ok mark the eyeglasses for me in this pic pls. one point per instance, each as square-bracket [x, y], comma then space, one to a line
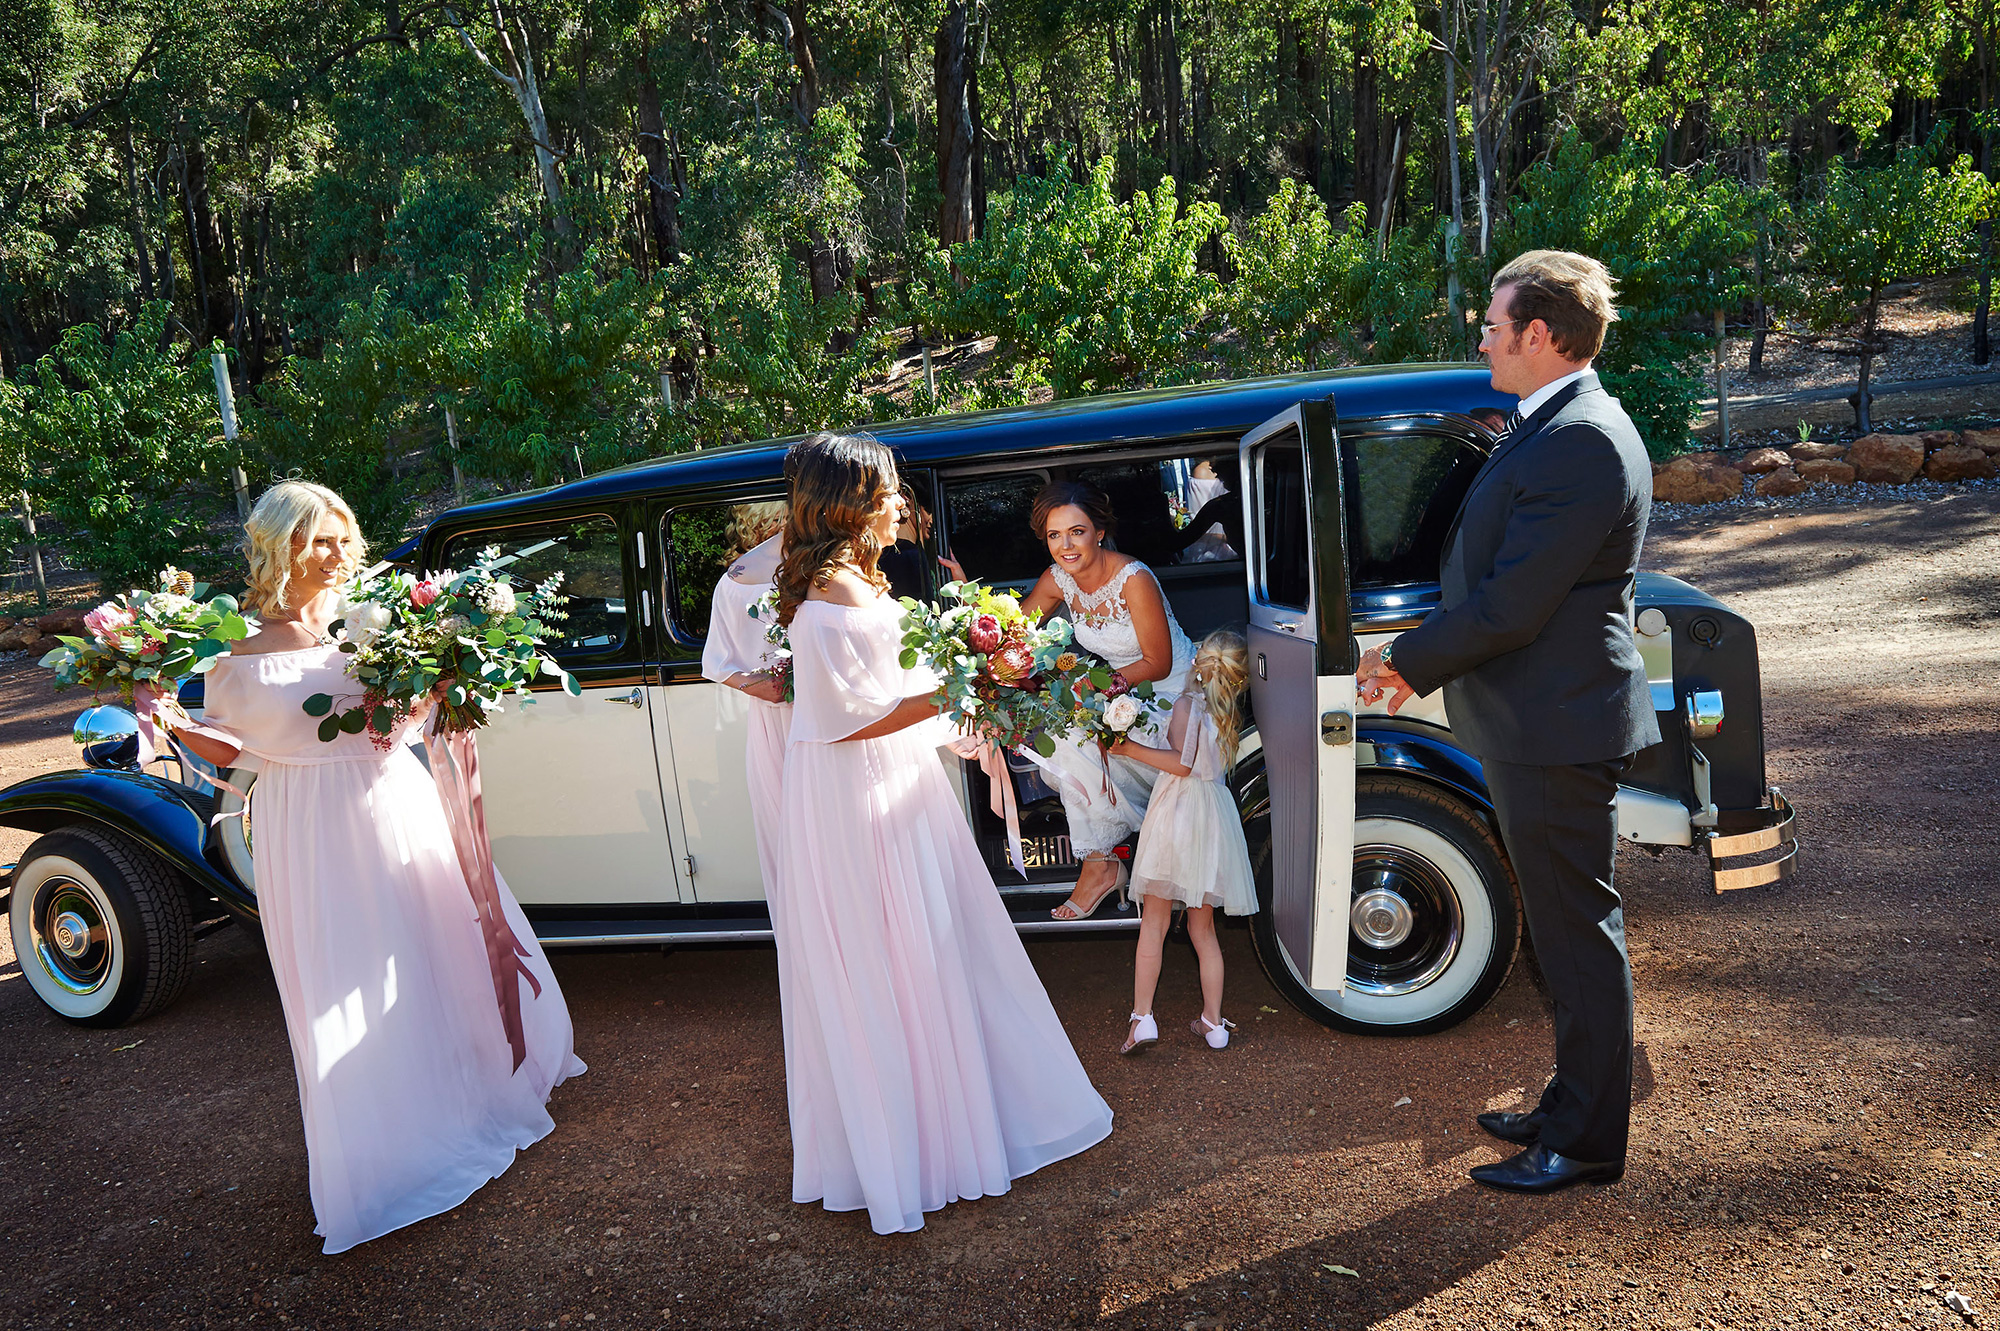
[1487, 330]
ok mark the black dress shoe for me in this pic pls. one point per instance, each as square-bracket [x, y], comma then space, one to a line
[1538, 1169]
[1520, 1129]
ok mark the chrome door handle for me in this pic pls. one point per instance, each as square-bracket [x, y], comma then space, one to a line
[636, 698]
[1286, 625]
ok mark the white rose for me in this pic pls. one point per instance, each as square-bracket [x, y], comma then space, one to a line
[366, 621]
[1121, 712]
[497, 599]
[167, 605]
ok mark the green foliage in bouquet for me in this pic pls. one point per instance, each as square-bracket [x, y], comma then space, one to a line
[466, 638]
[994, 663]
[158, 637]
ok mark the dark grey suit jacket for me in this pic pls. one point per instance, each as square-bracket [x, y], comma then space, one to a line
[1533, 642]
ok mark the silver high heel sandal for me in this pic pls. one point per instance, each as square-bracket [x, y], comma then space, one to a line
[1117, 885]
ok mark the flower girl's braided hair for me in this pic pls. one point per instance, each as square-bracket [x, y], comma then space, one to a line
[281, 524]
[837, 480]
[1222, 667]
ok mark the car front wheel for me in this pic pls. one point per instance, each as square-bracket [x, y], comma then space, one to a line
[1434, 925]
[101, 927]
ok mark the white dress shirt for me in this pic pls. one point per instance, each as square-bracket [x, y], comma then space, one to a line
[1533, 401]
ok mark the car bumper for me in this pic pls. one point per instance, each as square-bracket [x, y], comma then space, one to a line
[1774, 829]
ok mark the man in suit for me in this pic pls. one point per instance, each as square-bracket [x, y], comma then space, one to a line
[1543, 683]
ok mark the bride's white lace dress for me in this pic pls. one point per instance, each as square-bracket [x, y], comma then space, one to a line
[1079, 771]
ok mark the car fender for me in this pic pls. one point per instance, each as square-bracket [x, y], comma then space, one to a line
[169, 820]
[1416, 749]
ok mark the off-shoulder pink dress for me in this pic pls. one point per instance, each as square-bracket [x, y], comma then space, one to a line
[737, 645]
[931, 1065]
[406, 1079]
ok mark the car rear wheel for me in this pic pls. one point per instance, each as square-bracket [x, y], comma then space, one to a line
[1434, 924]
[101, 927]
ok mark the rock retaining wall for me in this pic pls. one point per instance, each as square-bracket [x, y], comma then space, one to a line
[1892, 459]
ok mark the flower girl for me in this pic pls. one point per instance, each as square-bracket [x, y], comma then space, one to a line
[1191, 847]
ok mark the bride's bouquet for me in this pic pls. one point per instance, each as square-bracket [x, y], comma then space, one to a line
[143, 644]
[467, 638]
[1107, 713]
[993, 661]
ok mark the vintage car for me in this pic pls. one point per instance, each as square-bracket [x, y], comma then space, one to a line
[620, 817]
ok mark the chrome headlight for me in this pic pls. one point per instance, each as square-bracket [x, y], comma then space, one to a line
[104, 725]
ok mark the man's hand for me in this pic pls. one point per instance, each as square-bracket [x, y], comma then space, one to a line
[1373, 681]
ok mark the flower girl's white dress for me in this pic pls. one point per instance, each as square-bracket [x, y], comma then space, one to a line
[930, 1065]
[1191, 848]
[406, 1081]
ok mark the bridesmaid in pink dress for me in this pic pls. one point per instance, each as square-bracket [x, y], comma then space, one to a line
[406, 1080]
[930, 1065]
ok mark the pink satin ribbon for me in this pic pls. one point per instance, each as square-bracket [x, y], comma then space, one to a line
[1000, 798]
[160, 714]
[455, 766]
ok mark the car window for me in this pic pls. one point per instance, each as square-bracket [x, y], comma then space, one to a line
[1197, 486]
[591, 558]
[1403, 492]
[704, 541]
[1285, 577]
[990, 534]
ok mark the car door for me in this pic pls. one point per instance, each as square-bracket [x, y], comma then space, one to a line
[572, 791]
[1302, 680]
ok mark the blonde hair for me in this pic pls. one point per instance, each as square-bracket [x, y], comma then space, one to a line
[750, 525]
[1222, 668]
[1571, 293]
[285, 518]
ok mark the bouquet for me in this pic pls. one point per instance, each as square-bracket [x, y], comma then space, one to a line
[466, 638]
[992, 661]
[765, 612]
[1108, 714]
[143, 644]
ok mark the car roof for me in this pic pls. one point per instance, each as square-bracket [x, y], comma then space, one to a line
[1230, 407]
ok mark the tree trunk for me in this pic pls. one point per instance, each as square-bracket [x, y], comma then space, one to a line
[1367, 133]
[662, 198]
[956, 145]
[136, 217]
[1982, 344]
[1862, 419]
[518, 78]
[1174, 97]
[1305, 145]
[211, 268]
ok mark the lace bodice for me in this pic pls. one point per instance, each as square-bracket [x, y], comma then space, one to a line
[1104, 624]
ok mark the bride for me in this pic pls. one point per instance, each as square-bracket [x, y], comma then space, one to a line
[1121, 615]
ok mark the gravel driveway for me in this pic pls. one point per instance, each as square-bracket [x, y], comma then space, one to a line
[1816, 1135]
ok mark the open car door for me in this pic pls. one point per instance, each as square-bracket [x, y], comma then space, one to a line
[1302, 681]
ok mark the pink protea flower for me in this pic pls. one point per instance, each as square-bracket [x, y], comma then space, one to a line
[104, 622]
[1011, 664]
[985, 634]
[423, 593]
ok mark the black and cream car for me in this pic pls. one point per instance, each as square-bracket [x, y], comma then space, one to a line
[620, 817]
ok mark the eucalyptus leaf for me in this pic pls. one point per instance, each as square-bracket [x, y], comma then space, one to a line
[317, 705]
[329, 730]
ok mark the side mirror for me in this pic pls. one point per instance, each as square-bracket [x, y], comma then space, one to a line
[109, 736]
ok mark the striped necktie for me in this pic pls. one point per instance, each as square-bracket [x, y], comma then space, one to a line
[1513, 423]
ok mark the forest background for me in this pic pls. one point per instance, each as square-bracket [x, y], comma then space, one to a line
[449, 248]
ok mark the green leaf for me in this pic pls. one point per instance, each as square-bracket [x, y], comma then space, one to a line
[1045, 746]
[909, 660]
[571, 687]
[383, 718]
[353, 721]
[329, 730]
[317, 705]
[455, 695]
[1342, 1270]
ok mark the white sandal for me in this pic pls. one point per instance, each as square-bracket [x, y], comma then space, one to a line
[1144, 1031]
[1217, 1035]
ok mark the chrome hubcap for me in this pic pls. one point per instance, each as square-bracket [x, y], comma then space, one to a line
[72, 941]
[1381, 918]
[70, 934]
[1406, 918]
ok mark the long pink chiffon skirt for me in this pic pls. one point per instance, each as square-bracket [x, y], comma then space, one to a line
[406, 1080]
[926, 1063]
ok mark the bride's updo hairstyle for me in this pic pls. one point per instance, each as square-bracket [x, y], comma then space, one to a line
[279, 528]
[1096, 506]
[837, 482]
